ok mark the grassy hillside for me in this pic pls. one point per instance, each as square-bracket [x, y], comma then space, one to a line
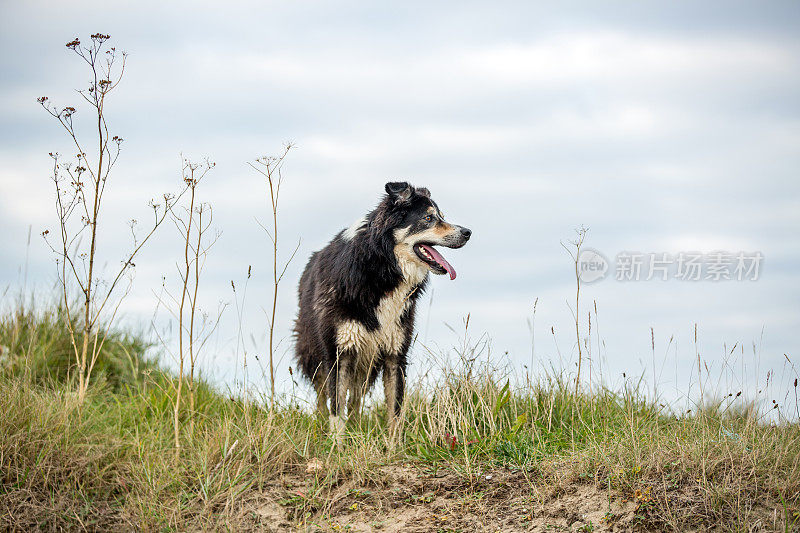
[479, 452]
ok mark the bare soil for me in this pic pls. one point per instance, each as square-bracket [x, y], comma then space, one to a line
[405, 498]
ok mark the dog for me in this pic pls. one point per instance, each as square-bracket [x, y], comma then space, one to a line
[357, 300]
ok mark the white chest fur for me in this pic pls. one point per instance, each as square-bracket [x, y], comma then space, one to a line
[389, 337]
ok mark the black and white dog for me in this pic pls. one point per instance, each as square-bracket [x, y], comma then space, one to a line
[358, 297]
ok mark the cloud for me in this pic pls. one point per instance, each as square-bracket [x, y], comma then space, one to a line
[663, 128]
[614, 58]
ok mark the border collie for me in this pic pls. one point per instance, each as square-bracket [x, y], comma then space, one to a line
[358, 297]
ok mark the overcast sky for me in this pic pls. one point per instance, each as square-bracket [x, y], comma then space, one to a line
[664, 127]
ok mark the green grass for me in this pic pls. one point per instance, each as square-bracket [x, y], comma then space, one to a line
[37, 343]
[112, 464]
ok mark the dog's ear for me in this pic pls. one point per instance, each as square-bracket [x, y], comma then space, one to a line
[422, 191]
[399, 191]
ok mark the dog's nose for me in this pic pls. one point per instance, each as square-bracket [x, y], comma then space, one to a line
[466, 233]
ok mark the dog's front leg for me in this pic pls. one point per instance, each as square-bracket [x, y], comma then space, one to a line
[337, 390]
[394, 389]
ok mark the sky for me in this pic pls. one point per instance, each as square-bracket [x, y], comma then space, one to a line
[662, 127]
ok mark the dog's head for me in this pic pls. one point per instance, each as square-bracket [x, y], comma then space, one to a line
[418, 226]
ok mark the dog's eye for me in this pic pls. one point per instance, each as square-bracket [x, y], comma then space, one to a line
[428, 218]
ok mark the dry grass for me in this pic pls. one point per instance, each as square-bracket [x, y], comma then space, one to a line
[478, 451]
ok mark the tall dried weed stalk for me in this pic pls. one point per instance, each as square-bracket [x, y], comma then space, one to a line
[574, 251]
[193, 225]
[271, 167]
[80, 186]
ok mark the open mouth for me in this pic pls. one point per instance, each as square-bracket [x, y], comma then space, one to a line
[434, 260]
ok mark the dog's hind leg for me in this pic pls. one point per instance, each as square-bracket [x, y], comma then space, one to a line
[320, 384]
[363, 380]
[359, 386]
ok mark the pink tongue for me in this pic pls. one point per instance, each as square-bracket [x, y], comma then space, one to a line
[441, 260]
